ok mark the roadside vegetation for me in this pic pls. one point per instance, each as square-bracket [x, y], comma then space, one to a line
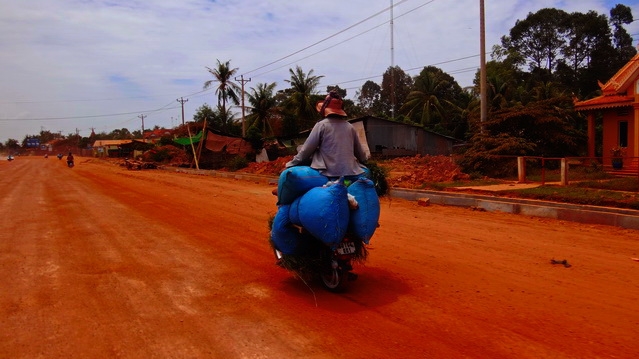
[589, 185]
[545, 62]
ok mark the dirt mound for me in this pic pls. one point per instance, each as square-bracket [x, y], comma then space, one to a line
[271, 168]
[405, 172]
[413, 172]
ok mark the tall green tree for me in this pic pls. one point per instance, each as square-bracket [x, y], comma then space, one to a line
[121, 134]
[396, 85]
[263, 102]
[12, 144]
[205, 112]
[573, 50]
[369, 98]
[226, 118]
[547, 128]
[433, 100]
[586, 56]
[622, 41]
[301, 100]
[539, 39]
[226, 89]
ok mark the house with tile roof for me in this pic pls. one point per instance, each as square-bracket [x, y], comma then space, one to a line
[618, 109]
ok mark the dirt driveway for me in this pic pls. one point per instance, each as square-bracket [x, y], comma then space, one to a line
[101, 262]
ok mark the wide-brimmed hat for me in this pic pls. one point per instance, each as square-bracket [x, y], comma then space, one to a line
[332, 105]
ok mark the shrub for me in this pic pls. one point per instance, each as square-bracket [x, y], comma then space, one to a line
[237, 163]
[379, 176]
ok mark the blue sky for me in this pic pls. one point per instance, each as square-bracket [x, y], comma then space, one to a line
[74, 65]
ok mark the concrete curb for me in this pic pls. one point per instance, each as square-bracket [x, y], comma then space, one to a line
[624, 218]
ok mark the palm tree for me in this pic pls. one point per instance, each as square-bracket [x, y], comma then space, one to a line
[262, 100]
[300, 101]
[426, 102]
[226, 89]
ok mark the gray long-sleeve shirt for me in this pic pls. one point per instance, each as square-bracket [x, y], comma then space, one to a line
[334, 149]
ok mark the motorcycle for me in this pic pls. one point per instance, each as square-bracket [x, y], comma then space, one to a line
[70, 163]
[314, 260]
[321, 228]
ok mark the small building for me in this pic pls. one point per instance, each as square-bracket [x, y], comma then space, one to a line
[386, 138]
[119, 148]
[618, 108]
[108, 148]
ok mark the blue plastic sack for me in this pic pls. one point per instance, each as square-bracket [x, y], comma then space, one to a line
[323, 212]
[364, 220]
[295, 181]
[285, 237]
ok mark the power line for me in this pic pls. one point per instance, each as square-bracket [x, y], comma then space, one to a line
[339, 43]
[421, 67]
[324, 39]
[166, 107]
[81, 117]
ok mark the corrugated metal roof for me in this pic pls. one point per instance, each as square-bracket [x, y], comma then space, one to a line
[104, 143]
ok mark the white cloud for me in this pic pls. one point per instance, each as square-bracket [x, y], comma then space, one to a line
[73, 58]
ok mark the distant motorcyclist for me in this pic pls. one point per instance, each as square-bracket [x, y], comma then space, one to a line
[70, 160]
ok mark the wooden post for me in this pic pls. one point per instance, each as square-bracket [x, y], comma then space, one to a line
[521, 169]
[197, 165]
[564, 172]
[591, 134]
[202, 139]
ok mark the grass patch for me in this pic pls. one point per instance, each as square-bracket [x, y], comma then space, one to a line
[627, 184]
[593, 171]
[579, 195]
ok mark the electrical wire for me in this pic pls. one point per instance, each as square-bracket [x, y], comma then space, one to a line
[324, 39]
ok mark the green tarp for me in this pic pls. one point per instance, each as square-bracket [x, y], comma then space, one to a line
[185, 141]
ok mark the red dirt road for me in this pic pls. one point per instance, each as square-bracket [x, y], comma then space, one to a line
[101, 262]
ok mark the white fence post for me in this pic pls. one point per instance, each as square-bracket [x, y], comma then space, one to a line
[564, 172]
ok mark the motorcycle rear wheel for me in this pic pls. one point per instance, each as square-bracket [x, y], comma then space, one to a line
[334, 278]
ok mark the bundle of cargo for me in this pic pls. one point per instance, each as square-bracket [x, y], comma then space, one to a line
[327, 210]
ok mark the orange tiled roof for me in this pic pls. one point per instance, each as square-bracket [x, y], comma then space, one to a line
[601, 102]
[624, 78]
[615, 91]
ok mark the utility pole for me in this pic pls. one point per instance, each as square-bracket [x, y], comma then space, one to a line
[482, 69]
[181, 100]
[142, 117]
[392, 48]
[243, 81]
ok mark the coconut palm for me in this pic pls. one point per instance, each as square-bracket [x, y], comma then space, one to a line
[300, 101]
[262, 101]
[226, 88]
[433, 97]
